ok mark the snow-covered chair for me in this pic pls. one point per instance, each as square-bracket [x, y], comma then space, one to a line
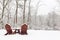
[8, 29]
[24, 29]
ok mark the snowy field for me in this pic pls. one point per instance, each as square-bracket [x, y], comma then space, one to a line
[32, 35]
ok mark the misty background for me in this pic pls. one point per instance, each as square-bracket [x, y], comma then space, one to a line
[38, 14]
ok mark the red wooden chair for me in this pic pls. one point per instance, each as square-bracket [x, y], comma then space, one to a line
[8, 29]
[24, 29]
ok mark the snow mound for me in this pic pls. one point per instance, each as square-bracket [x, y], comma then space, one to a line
[32, 35]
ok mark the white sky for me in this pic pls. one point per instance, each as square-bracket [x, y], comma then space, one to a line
[47, 6]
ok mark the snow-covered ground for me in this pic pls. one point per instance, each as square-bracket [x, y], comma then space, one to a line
[32, 35]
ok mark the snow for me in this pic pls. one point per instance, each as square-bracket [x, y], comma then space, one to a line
[32, 35]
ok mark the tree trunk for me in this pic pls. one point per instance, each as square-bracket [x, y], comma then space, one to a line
[16, 10]
[29, 14]
[24, 12]
[3, 12]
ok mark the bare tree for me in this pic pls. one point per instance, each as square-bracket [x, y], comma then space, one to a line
[37, 6]
[29, 14]
[16, 9]
[24, 11]
[51, 20]
[5, 3]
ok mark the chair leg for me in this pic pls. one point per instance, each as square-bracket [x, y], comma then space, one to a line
[6, 33]
[19, 31]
